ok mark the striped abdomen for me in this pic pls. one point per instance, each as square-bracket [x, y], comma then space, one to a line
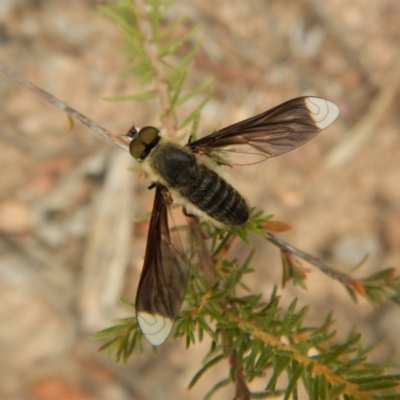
[177, 168]
[215, 197]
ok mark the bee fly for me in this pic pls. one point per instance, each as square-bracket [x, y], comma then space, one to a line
[186, 173]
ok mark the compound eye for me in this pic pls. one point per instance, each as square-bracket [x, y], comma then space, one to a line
[136, 148]
[144, 142]
[148, 134]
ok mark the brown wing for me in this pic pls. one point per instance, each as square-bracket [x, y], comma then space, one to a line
[274, 132]
[164, 278]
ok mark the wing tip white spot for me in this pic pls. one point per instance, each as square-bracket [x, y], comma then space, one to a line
[155, 327]
[323, 111]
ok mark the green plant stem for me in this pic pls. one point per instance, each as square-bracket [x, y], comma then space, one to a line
[167, 118]
[317, 367]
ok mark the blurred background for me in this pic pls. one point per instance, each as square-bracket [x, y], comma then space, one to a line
[69, 247]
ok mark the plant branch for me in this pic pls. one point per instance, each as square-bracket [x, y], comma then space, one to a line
[242, 392]
[116, 139]
[326, 269]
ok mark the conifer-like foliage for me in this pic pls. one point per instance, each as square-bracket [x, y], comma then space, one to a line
[254, 337]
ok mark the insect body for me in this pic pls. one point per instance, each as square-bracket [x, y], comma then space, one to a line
[186, 172]
[194, 184]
